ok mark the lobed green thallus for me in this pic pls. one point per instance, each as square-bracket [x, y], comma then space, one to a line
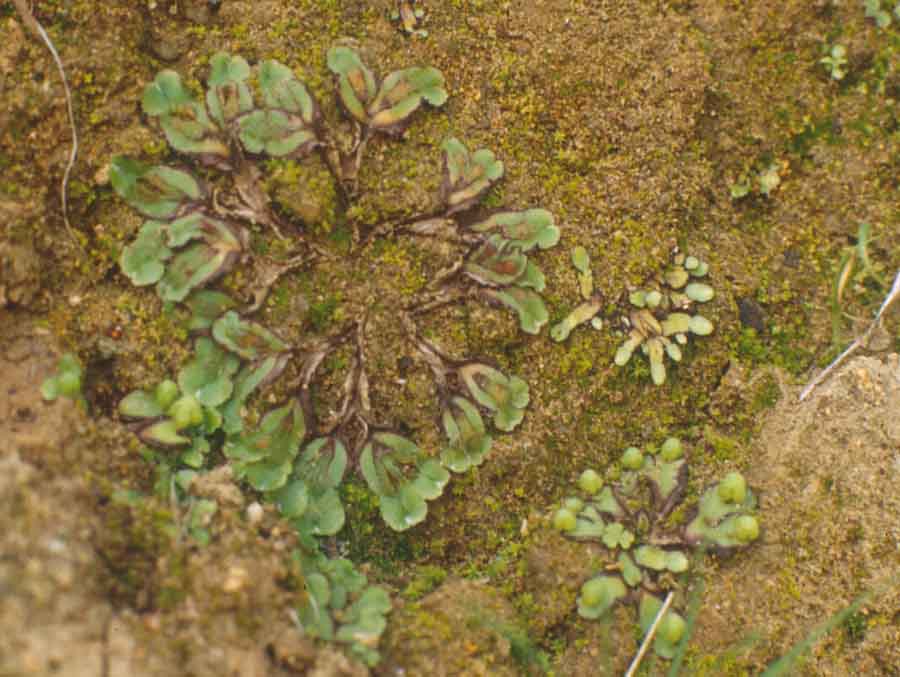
[196, 230]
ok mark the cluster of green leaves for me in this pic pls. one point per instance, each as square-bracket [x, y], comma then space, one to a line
[763, 178]
[589, 309]
[663, 316]
[856, 270]
[880, 15]
[341, 606]
[181, 247]
[836, 62]
[283, 126]
[724, 518]
[409, 16]
[403, 477]
[184, 244]
[629, 514]
[499, 264]
[394, 468]
[660, 318]
[232, 358]
[190, 238]
[386, 107]
[505, 396]
[302, 485]
[467, 440]
[66, 382]
[300, 476]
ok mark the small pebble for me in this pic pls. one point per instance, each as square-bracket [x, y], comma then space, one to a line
[254, 513]
[235, 580]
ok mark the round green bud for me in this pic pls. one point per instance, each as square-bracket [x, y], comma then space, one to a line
[733, 488]
[564, 520]
[574, 504]
[677, 562]
[590, 482]
[166, 393]
[746, 528]
[68, 383]
[632, 459]
[186, 411]
[593, 592]
[671, 628]
[638, 298]
[671, 449]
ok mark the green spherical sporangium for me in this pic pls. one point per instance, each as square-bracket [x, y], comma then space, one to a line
[590, 482]
[671, 449]
[733, 488]
[632, 458]
[746, 528]
[564, 520]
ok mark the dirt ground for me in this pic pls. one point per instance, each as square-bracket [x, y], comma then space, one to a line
[824, 472]
[638, 124]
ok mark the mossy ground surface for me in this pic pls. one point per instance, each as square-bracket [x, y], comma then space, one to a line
[631, 122]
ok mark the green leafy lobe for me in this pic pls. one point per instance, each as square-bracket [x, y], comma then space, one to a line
[467, 176]
[265, 458]
[506, 396]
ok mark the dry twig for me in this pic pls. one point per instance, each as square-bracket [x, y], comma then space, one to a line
[35, 27]
[651, 633]
[861, 340]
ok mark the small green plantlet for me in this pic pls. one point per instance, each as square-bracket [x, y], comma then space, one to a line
[66, 382]
[409, 16]
[506, 396]
[265, 457]
[589, 309]
[881, 16]
[630, 516]
[403, 478]
[661, 318]
[732, 488]
[671, 449]
[599, 595]
[467, 176]
[168, 418]
[770, 178]
[199, 517]
[467, 440]
[759, 178]
[341, 606]
[632, 459]
[724, 520]
[740, 188]
[835, 62]
[564, 520]
[386, 108]
[855, 270]
[582, 263]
